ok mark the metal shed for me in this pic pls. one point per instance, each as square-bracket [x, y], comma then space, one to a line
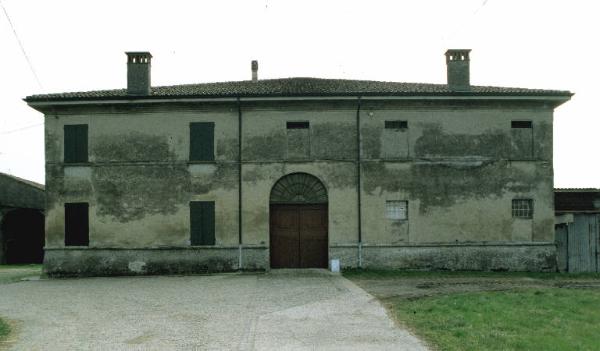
[577, 229]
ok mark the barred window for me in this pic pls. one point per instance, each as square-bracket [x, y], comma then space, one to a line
[522, 208]
[396, 210]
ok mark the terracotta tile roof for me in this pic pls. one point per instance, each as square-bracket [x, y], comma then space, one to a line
[289, 87]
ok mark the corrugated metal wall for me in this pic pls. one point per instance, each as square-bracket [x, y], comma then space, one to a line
[577, 244]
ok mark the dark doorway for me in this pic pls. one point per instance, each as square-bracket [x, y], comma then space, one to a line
[298, 223]
[23, 236]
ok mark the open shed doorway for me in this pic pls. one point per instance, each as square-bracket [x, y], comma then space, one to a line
[22, 235]
[298, 222]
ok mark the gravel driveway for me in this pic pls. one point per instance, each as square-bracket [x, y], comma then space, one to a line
[281, 310]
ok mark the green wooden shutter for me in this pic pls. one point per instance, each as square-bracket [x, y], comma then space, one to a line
[76, 143]
[77, 229]
[202, 223]
[202, 140]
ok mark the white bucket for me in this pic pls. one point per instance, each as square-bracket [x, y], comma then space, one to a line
[335, 266]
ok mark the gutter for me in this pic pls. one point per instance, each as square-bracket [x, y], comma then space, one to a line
[556, 99]
[240, 242]
[358, 183]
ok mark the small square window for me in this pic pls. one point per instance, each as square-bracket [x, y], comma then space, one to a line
[396, 124]
[396, 210]
[521, 124]
[297, 125]
[522, 208]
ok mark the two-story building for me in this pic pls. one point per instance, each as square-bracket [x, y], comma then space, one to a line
[296, 172]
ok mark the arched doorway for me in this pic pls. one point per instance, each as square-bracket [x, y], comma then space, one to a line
[298, 222]
[23, 236]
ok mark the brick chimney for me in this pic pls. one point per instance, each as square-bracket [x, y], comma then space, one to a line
[457, 62]
[254, 70]
[138, 73]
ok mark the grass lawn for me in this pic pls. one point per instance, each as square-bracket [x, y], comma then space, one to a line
[14, 273]
[517, 311]
[530, 319]
[4, 331]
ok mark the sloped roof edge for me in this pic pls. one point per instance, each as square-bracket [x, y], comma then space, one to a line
[24, 181]
[297, 87]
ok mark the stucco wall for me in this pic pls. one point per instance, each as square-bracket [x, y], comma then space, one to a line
[139, 181]
[459, 172]
[458, 165]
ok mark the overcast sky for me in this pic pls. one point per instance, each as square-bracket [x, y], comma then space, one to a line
[80, 45]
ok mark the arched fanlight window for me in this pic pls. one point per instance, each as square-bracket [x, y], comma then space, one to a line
[298, 188]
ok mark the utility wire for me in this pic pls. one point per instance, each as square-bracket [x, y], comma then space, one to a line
[37, 79]
[22, 128]
[21, 46]
[460, 26]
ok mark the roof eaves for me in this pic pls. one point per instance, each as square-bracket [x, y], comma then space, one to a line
[24, 181]
[576, 190]
[543, 96]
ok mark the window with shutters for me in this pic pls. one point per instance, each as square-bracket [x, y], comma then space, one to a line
[76, 143]
[202, 223]
[202, 141]
[77, 224]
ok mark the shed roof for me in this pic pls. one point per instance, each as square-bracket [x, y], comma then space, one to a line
[577, 200]
[18, 192]
[296, 87]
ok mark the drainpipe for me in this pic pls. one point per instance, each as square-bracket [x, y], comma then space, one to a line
[567, 244]
[358, 184]
[239, 183]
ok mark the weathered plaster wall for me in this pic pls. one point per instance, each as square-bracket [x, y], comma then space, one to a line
[332, 131]
[139, 181]
[458, 166]
[498, 257]
[459, 172]
[332, 145]
[258, 179]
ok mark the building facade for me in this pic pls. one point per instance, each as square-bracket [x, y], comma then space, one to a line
[295, 172]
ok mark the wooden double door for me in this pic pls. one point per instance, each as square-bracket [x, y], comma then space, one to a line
[298, 236]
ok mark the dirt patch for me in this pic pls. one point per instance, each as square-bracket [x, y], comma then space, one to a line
[412, 288]
[12, 337]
